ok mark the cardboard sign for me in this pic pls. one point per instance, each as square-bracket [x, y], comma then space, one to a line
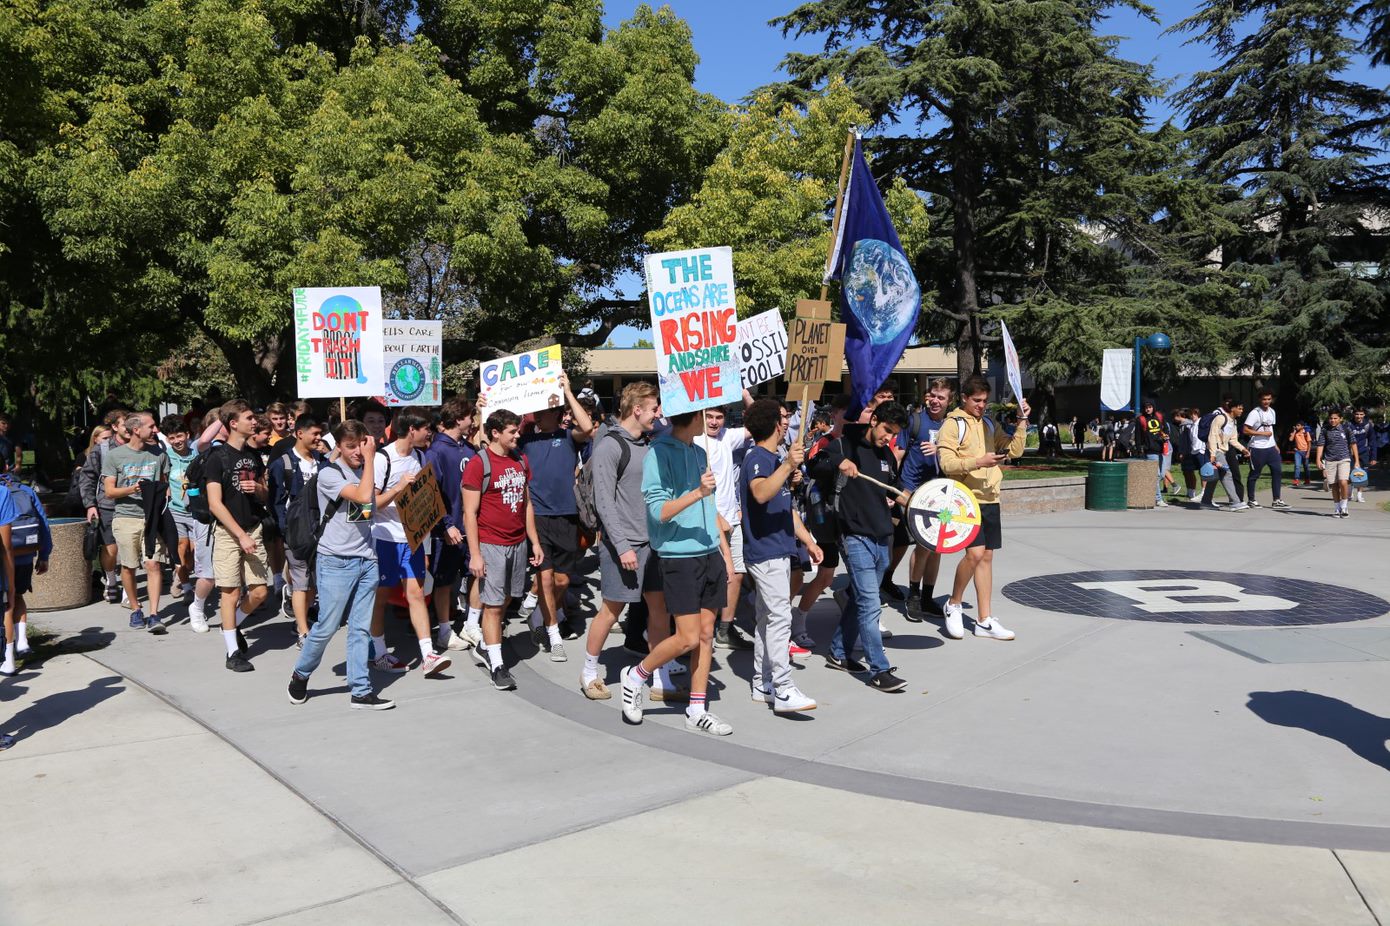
[1011, 363]
[414, 362]
[762, 348]
[816, 352]
[694, 328]
[421, 507]
[338, 342]
[523, 383]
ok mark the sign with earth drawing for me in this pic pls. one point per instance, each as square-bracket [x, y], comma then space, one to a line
[414, 358]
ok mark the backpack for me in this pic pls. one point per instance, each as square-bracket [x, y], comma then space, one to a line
[1204, 424]
[24, 530]
[584, 483]
[303, 522]
[989, 432]
[195, 486]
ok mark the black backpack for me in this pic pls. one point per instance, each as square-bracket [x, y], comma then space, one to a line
[195, 484]
[584, 483]
[304, 523]
[1204, 424]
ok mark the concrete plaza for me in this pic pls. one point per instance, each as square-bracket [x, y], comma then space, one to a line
[1138, 755]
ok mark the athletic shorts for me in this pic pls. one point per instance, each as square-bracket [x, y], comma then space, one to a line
[395, 563]
[1191, 463]
[559, 537]
[623, 585]
[901, 538]
[504, 573]
[447, 563]
[1336, 470]
[991, 535]
[694, 583]
[736, 548]
[299, 572]
[24, 578]
[232, 568]
[104, 518]
[185, 524]
[202, 552]
[130, 543]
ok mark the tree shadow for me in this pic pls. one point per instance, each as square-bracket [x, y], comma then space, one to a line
[1360, 731]
[51, 710]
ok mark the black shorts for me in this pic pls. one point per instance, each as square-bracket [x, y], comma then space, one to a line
[694, 583]
[991, 535]
[448, 562]
[559, 537]
[827, 537]
[901, 538]
[23, 582]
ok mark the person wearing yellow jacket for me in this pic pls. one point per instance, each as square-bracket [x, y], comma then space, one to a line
[970, 448]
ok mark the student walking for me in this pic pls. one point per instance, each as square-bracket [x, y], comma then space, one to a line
[1214, 433]
[28, 543]
[1336, 455]
[1264, 450]
[1302, 442]
[127, 471]
[917, 445]
[290, 472]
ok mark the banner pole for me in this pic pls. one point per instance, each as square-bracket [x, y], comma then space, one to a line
[342, 409]
[839, 201]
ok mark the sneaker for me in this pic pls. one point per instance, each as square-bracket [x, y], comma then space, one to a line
[9, 670]
[891, 592]
[137, 619]
[287, 606]
[539, 638]
[930, 607]
[796, 651]
[1360, 496]
[1241, 506]
[633, 691]
[1297, 483]
[848, 664]
[455, 642]
[955, 621]
[913, 604]
[197, 620]
[155, 626]
[299, 640]
[571, 629]
[596, 690]
[125, 599]
[1211, 506]
[728, 636]
[707, 723]
[389, 663]
[1253, 504]
[557, 653]
[434, 663]
[23, 654]
[792, 701]
[887, 681]
[113, 594]
[804, 641]
[239, 663]
[528, 605]
[242, 646]
[502, 679]
[299, 689]
[1279, 503]
[992, 629]
[761, 695]
[884, 632]
[371, 702]
[472, 636]
[658, 692]
[6, 741]
[1160, 503]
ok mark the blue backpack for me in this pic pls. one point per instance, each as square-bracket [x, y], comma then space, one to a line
[24, 530]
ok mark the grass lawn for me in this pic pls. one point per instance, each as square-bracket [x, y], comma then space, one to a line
[1034, 467]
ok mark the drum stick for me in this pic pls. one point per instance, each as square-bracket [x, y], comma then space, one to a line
[897, 492]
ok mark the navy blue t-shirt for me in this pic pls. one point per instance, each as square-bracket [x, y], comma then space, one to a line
[767, 529]
[917, 467]
[553, 458]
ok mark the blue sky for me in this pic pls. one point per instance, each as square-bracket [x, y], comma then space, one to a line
[739, 52]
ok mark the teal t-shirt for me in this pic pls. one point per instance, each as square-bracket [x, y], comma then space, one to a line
[178, 492]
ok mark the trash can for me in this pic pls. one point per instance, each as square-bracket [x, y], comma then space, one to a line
[1107, 486]
[1143, 477]
[68, 581]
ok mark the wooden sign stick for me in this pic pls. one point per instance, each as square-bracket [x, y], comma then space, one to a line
[897, 492]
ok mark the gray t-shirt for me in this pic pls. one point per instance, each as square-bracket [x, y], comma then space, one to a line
[130, 467]
[349, 532]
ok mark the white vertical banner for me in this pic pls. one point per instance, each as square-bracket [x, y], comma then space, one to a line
[1116, 378]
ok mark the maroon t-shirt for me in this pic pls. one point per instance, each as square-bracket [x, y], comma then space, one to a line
[502, 510]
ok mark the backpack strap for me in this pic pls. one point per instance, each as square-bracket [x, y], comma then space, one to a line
[487, 470]
[624, 458]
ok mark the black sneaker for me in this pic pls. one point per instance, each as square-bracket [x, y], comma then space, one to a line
[912, 606]
[287, 606]
[239, 663]
[930, 607]
[540, 638]
[299, 689]
[891, 592]
[571, 629]
[242, 647]
[848, 664]
[728, 636]
[502, 679]
[887, 681]
[371, 703]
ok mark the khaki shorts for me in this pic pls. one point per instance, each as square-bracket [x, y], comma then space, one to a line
[231, 568]
[130, 543]
[1333, 471]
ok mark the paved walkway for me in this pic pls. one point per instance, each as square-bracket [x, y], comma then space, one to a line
[1100, 769]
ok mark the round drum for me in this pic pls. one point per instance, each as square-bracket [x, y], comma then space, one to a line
[942, 515]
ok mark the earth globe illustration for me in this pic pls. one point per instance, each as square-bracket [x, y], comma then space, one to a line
[881, 289]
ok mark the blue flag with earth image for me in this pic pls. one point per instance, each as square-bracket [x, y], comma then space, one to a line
[879, 295]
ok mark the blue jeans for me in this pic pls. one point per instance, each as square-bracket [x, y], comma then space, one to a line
[1163, 462]
[866, 560]
[345, 584]
[1301, 471]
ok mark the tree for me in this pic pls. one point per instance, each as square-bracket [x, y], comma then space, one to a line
[1296, 145]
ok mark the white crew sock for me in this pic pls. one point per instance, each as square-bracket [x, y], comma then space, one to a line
[229, 637]
[426, 647]
[200, 604]
[494, 654]
[553, 632]
[23, 629]
[590, 669]
[379, 646]
[475, 615]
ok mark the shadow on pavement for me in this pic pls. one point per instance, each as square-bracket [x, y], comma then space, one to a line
[1360, 731]
[51, 710]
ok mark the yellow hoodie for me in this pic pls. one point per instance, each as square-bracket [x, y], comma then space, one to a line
[957, 455]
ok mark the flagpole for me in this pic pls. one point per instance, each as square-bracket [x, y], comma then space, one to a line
[839, 201]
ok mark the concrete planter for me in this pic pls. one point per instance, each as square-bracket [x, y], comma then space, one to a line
[68, 582]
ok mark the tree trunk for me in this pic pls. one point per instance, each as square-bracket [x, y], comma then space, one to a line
[963, 235]
[1287, 401]
[255, 366]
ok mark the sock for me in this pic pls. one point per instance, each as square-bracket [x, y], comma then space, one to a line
[553, 632]
[426, 647]
[379, 646]
[590, 669]
[475, 615]
[200, 604]
[643, 676]
[494, 654]
[23, 628]
[229, 637]
[442, 634]
[112, 578]
[697, 705]
[9, 665]
[241, 616]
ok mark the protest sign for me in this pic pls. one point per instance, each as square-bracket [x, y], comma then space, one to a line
[694, 327]
[414, 362]
[1011, 363]
[338, 342]
[816, 351]
[523, 383]
[420, 506]
[762, 347]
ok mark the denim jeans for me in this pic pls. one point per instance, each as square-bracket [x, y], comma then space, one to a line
[866, 560]
[1163, 462]
[346, 584]
[1301, 470]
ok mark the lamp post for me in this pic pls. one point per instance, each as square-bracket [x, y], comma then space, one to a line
[1155, 341]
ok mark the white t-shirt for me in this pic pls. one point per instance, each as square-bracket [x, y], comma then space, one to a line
[1261, 419]
[386, 525]
[719, 452]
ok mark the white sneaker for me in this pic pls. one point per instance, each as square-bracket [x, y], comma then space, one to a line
[434, 663]
[472, 636]
[791, 701]
[1242, 506]
[955, 621]
[633, 692]
[197, 620]
[456, 642]
[387, 662]
[707, 723]
[557, 653]
[528, 605]
[761, 695]
[1160, 503]
[884, 632]
[992, 629]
